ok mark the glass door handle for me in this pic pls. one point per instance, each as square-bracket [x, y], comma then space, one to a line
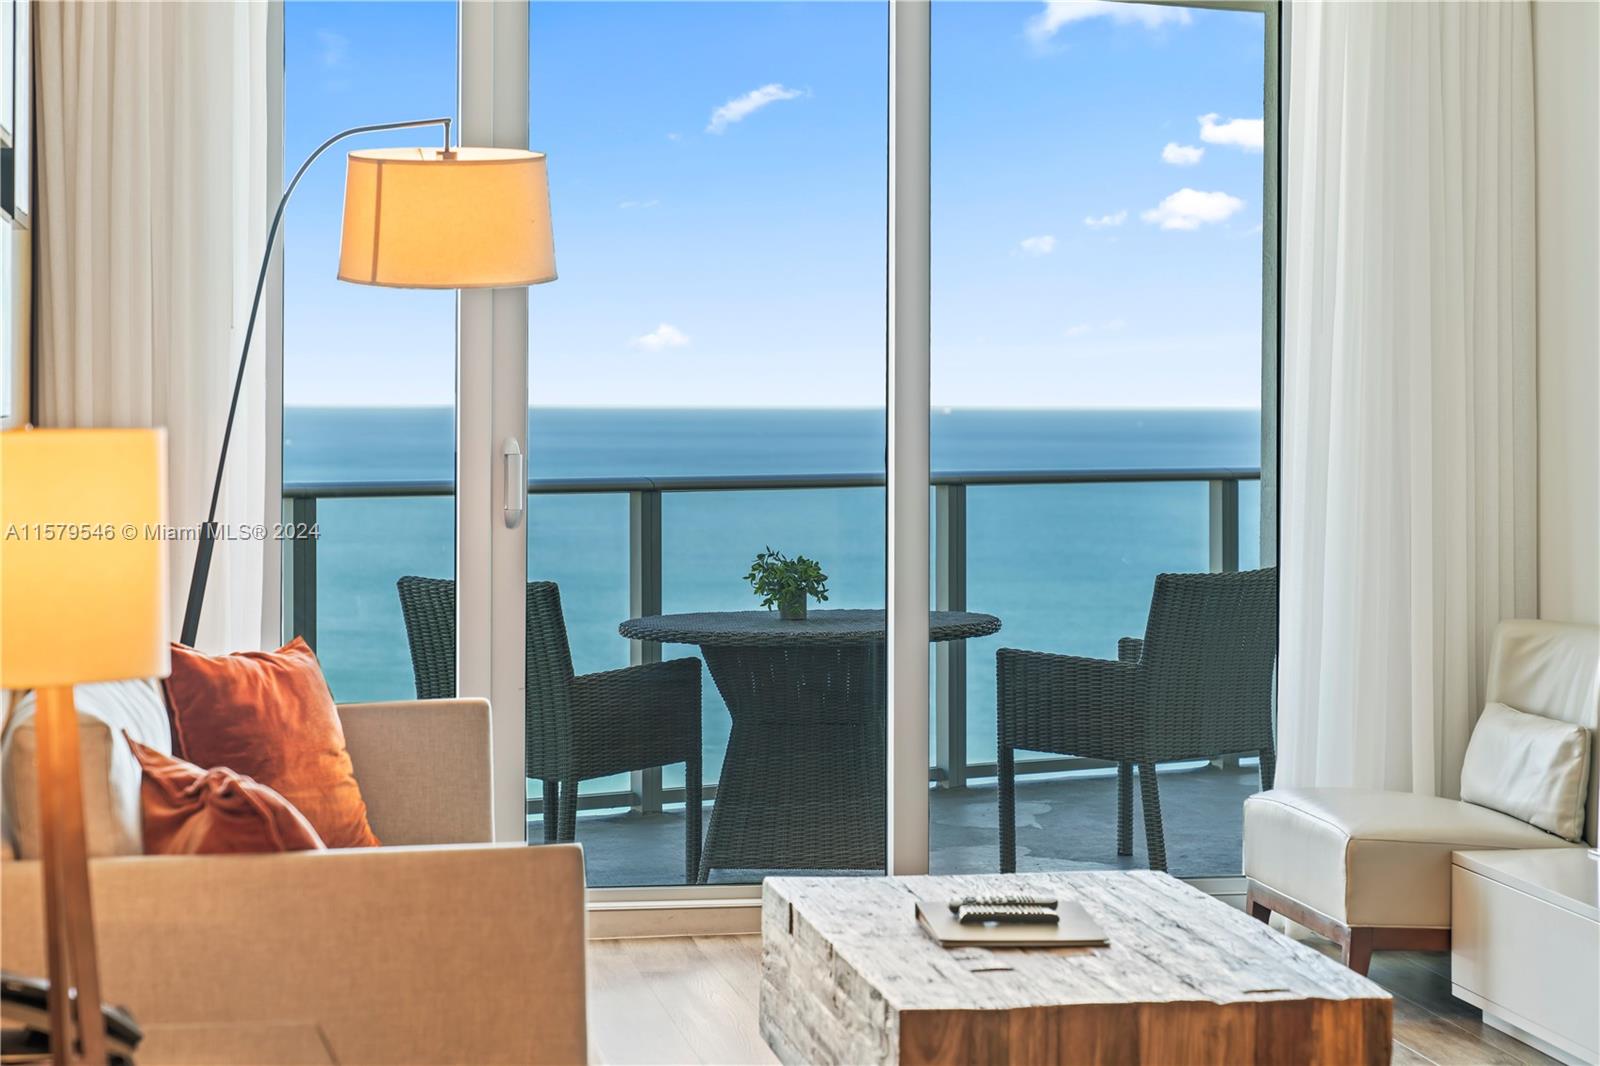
[516, 483]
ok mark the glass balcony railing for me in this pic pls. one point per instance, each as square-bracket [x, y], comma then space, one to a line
[630, 544]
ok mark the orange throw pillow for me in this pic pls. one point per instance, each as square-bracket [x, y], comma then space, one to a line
[190, 811]
[269, 715]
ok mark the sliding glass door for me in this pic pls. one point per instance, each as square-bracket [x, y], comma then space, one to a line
[705, 383]
[971, 306]
[1098, 379]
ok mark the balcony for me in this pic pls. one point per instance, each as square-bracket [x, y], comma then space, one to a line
[632, 826]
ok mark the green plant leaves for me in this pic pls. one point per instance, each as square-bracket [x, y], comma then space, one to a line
[776, 578]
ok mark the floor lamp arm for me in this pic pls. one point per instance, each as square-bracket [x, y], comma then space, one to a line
[208, 532]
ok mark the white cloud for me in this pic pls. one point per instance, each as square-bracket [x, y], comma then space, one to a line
[1083, 329]
[1181, 155]
[1190, 209]
[741, 107]
[663, 336]
[1043, 244]
[1116, 218]
[1246, 133]
[332, 48]
[629, 205]
[1059, 13]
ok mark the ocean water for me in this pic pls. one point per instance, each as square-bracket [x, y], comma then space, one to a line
[1066, 568]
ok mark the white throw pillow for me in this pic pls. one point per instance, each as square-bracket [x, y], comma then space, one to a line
[111, 774]
[1530, 767]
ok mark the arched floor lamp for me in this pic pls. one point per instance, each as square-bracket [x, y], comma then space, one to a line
[414, 218]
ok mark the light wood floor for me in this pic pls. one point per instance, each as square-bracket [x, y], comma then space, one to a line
[693, 1000]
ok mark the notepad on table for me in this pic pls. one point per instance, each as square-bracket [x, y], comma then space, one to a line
[1073, 929]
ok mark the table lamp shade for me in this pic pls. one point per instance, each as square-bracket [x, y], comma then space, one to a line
[83, 567]
[422, 219]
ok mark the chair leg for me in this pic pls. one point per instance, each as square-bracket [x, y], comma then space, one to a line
[1155, 843]
[1124, 808]
[1269, 768]
[552, 811]
[1008, 809]
[1356, 951]
[567, 831]
[691, 819]
[1258, 910]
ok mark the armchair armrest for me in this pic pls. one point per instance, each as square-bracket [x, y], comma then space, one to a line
[451, 954]
[672, 686]
[1066, 703]
[423, 768]
[636, 717]
[1130, 649]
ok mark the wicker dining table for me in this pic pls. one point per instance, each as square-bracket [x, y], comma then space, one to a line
[803, 781]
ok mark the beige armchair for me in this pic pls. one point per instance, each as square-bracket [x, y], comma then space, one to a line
[438, 947]
[1372, 870]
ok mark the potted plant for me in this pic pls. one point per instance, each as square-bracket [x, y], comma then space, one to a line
[786, 583]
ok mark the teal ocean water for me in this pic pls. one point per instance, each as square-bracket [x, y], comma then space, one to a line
[1066, 568]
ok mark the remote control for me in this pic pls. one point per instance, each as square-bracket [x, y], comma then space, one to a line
[1003, 899]
[1008, 914]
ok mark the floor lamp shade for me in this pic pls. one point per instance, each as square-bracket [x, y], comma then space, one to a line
[423, 218]
[83, 565]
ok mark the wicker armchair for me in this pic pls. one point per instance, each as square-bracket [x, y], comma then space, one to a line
[1197, 686]
[578, 727]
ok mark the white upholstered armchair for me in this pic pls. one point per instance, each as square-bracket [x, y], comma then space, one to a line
[1372, 869]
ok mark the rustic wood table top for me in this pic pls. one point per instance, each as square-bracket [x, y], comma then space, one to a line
[1195, 968]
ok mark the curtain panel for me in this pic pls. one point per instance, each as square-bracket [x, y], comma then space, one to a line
[155, 190]
[1408, 444]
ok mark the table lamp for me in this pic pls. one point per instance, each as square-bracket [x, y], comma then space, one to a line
[414, 218]
[83, 598]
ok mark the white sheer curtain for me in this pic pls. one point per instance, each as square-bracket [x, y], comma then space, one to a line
[1408, 446]
[155, 189]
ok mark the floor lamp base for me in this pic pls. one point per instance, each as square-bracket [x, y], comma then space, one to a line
[68, 911]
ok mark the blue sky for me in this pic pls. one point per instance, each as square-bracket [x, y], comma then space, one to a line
[718, 184]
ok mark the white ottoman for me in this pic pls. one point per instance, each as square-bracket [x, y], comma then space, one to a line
[1525, 946]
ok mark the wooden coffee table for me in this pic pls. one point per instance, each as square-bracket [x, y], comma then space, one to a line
[229, 1043]
[848, 976]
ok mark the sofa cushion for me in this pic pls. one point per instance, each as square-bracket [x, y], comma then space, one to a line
[1370, 858]
[1530, 767]
[186, 810]
[111, 775]
[270, 716]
